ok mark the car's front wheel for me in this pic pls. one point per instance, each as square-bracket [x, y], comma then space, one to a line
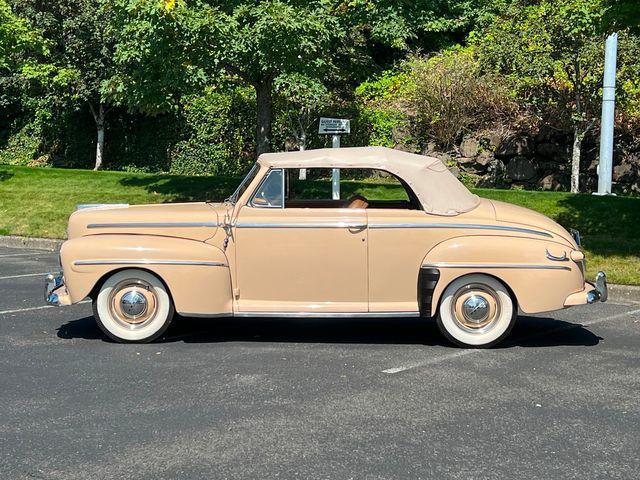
[476, 311]
[133, 306]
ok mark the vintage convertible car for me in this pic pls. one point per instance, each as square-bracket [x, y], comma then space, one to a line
[276, 248]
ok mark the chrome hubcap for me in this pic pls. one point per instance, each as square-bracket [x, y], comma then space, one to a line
[475, 309]
[133, 304]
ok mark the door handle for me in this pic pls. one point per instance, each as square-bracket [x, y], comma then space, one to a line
[357, 227]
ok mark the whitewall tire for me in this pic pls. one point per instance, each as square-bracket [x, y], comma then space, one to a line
[133, 306]
[476, 311]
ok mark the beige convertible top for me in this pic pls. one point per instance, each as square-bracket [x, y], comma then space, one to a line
[438, 190]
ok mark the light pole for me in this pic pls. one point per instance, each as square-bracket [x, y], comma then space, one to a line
[605, 165]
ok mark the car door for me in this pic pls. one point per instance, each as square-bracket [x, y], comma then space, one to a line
[299, 260]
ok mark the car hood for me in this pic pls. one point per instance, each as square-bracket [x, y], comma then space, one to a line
[507, 212]
[197, 221]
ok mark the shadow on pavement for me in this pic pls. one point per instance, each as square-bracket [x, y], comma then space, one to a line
[528, 331]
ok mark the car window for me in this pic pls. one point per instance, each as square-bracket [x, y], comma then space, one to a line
[313, 188]
[270, 193]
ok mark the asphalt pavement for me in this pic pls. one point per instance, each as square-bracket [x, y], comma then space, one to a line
[311, 399]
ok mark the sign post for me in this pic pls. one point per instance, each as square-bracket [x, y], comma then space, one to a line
[334, 127]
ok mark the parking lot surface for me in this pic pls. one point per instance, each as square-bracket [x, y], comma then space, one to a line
[334, 399]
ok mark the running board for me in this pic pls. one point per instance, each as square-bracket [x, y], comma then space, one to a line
[303, 314]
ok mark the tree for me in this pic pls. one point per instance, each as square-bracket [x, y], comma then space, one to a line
[166, 49]
[198, 42]
[21, 45]
[80, 54]
[551, 51]
[302, 99]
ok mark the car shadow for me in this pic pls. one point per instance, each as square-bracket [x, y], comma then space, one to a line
[529, 331]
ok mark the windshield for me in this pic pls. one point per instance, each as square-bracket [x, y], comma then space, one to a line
[243, 185]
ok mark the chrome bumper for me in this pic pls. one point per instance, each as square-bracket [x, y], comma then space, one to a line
[600, 291]
[55, 292]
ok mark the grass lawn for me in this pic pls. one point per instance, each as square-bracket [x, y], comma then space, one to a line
[37, 202]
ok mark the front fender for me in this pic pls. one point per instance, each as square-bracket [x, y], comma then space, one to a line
[196, 274]
[538, 283]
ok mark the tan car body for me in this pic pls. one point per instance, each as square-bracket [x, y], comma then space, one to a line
[238, 259]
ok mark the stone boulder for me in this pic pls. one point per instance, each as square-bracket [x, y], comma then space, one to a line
[624, 173]
[553, 151]
[515, 146]
[550, 182]
[521, 169]
[469, 147]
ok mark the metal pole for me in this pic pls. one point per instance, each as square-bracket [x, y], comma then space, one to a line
[605, 165]
[335, 176]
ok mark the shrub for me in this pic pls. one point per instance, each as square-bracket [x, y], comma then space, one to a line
[219, 133]
[448, 95]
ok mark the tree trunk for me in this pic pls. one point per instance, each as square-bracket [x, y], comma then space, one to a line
[578, 137]
[264, 105]
[99, 118]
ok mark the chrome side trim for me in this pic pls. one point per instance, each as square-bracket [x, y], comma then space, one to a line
[149, 262]
[325, 314]
[206, 315]
[555, 258]
[497, 266]
[461, 225]
[153, 225]
[82, 206]
[304, 225]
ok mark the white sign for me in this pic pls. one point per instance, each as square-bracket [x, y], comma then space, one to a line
[334, 126]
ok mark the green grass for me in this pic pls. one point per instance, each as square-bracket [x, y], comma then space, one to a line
[37, 202]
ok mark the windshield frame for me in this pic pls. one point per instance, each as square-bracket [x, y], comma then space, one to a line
[244, 184]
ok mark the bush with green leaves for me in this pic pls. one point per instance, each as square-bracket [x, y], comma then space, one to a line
[219, 133]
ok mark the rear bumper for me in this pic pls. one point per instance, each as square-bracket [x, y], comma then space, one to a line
[591, 293]
[55, 291]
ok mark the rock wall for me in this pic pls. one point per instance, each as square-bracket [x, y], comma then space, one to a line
[503, 160]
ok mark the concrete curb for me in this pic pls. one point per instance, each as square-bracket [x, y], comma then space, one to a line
[12, 241]
[622, 294]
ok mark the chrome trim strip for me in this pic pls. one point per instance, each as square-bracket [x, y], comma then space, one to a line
[150, 262]
[551, 256]
[153, 225]
[304, 225]
[83, 206]
[496, 266]
[325, 314]
[206, 315]
[460, 225]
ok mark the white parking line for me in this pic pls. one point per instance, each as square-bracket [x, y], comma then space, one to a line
[41, 307]
[462, 353]
[24, 254]
[24, 275]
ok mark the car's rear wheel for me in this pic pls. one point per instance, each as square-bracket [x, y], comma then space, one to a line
[133, 306]
[476, 311]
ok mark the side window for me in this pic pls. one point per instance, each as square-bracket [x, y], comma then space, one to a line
[359, 188]
[270, 193]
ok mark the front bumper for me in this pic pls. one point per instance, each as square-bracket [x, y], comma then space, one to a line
[591, 293]
[55, 291]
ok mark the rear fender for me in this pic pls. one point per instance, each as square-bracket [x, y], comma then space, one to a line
[538, 283]
[196, 274]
